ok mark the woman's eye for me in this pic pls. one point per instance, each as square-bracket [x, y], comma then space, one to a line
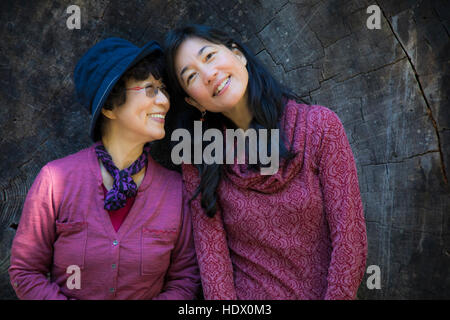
[209, 56]
[191, 76]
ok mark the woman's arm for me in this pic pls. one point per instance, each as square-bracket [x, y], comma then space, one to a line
[344, 211]
[216, 269]
[182, 279]
[32, 249]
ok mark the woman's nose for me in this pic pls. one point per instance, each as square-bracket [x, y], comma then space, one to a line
[209, 75]
[162, 98]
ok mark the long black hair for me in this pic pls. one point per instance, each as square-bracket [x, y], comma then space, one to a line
[266, 100]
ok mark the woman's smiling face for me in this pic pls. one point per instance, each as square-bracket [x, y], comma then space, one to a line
[141, 117]
[214, 77]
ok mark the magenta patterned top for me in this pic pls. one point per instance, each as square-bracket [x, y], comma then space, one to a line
[297, 234]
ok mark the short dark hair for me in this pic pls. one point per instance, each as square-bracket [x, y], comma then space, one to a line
[153, 65]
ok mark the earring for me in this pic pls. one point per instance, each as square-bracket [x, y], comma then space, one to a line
[203, 116]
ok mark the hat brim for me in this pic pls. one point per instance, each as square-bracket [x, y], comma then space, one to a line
[112, 78]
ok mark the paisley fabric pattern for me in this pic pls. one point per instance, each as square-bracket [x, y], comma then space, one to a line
[124, 186]
[297, 234]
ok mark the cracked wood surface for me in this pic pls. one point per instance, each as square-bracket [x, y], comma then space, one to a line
[390, 87]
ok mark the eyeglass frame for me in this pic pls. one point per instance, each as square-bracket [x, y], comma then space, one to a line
[154, 92]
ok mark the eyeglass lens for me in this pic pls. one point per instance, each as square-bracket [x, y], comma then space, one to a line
[152, 91]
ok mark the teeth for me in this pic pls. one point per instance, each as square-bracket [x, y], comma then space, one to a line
[220, 87]
[155, 115]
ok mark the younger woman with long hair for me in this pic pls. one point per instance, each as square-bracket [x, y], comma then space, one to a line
[296, 234]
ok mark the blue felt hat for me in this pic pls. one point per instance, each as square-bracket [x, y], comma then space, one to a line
[101, 67]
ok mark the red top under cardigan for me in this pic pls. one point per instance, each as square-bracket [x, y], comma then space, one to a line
[117, 216]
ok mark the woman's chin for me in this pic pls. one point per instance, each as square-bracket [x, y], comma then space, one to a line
[232, 99]
[157, 135]
[229, 105]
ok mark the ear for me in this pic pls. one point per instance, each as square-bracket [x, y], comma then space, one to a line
[239, 54]
[108, 113]
[194, 103]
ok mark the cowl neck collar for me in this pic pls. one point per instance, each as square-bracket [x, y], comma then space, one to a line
[293, 127]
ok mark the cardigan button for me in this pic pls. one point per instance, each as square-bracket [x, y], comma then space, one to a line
[115, 243]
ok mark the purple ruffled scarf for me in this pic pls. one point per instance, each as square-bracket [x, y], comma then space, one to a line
[124, 186]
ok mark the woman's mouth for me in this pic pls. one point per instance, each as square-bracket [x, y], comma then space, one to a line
[158, 117]
[222, 86]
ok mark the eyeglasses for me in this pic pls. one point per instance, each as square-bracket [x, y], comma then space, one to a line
[151, 90]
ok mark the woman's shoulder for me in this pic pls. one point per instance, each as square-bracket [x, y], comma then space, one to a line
[318, 117]
[77, 161]
[190, 176]
[169, 175]
[313, 111]
[57, 172]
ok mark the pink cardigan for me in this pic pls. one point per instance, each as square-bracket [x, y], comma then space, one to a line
[64, 223]
[298, 234]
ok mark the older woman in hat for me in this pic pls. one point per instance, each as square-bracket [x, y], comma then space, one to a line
[108, 222]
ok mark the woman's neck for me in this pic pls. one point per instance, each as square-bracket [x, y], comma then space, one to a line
[240, 114]
[123, 153]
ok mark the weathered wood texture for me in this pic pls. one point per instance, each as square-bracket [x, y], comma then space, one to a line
[390, 87]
